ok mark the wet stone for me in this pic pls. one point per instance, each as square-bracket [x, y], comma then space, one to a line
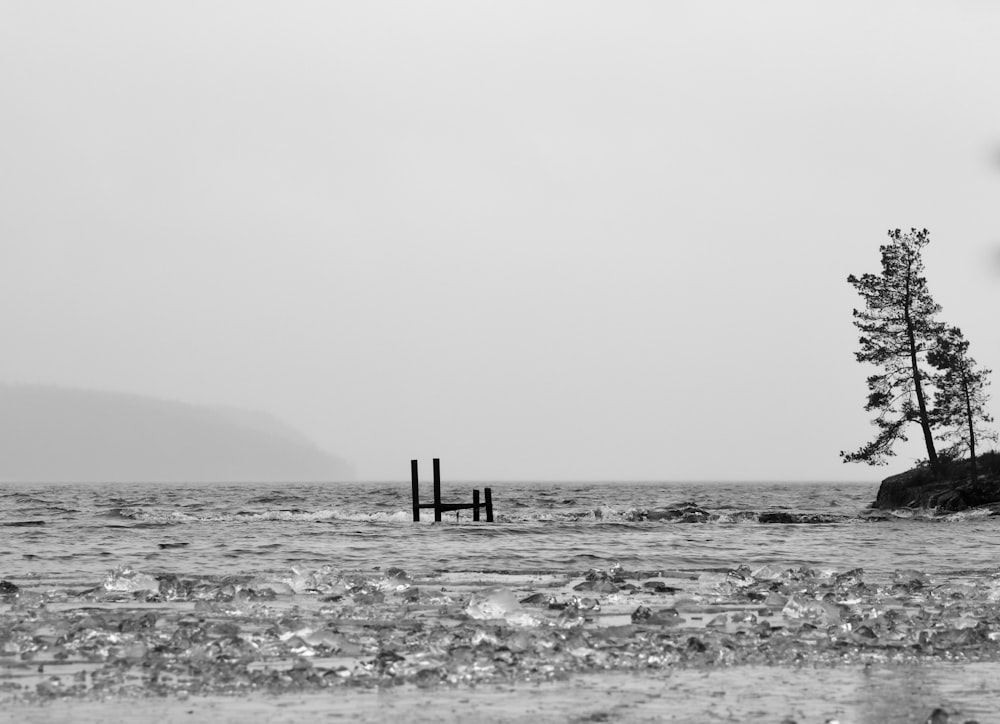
[661, 617]
[910, 579]
[538, 599]
[8, 591]
[659, 587]
[597, 586]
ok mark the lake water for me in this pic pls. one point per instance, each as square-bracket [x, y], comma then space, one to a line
[73, 534]
[623, 601]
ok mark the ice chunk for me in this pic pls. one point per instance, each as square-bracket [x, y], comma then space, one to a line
[498, 602]
[740, 577]
[962, 622]
[719, 584]
[993, 592]
[494, 602]
[768, 572]
[910, 578]
[127, 580]
[323, 580]
[775, 600]
[850, 579]
[821, 613]
[277, 588]
[395, 580]
[299, 581]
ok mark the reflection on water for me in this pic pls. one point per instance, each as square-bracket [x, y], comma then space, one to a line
[749, 695]
[855, 695]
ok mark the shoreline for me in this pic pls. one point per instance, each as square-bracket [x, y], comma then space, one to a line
[953, 489]
[368, 641]
[847, 694]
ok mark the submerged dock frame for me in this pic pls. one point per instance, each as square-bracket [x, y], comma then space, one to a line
[440, 507]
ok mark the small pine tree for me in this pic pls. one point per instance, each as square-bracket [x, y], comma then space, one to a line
[898, 326]
[960, 398]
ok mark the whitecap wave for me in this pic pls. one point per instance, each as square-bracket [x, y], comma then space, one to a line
[602, 514]
[153, 516]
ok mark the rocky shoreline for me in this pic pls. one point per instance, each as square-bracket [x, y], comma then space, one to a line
[951, 491]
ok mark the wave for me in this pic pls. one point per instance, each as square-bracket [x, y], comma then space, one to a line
[933, 514]
[686, 513]
[277, 498]
[173, 517]
[22, 523]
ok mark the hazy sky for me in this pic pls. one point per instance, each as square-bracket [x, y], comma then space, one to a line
[569, 240]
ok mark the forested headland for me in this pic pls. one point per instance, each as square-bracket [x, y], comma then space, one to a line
[924, 377]
[55, 434]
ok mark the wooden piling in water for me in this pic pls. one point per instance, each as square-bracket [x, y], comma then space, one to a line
[437, 490]
[438, 506]
[416, 491]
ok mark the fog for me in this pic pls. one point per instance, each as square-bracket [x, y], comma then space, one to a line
[559, 240]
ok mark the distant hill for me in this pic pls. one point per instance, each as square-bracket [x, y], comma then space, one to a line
[60, 434]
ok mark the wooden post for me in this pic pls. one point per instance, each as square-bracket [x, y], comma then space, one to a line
[488, 494]
[475, 504]
[416, 491]
[437, 490]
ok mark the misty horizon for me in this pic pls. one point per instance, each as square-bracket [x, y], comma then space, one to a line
[16, 427]
[60, 434]
[12, 422]
[559, 241]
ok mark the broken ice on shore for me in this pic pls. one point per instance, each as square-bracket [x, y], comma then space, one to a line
[148, 633]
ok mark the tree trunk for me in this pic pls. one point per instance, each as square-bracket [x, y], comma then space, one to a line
[925, 424]
[972, 427]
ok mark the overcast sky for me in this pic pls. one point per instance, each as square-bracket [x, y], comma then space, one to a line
[539, 240]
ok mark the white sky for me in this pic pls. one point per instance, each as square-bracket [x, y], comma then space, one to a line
[566, 240]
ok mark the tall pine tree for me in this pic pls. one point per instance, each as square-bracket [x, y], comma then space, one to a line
[960, 398]
[898, 328]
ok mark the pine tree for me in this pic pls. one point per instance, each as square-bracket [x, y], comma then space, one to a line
[960, 398]
[898, 328]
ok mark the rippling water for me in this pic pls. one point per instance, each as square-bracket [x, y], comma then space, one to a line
[72, 535]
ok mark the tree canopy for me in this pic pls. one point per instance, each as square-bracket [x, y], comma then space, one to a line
[925, 373]
[960, 399]
[898, 326]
